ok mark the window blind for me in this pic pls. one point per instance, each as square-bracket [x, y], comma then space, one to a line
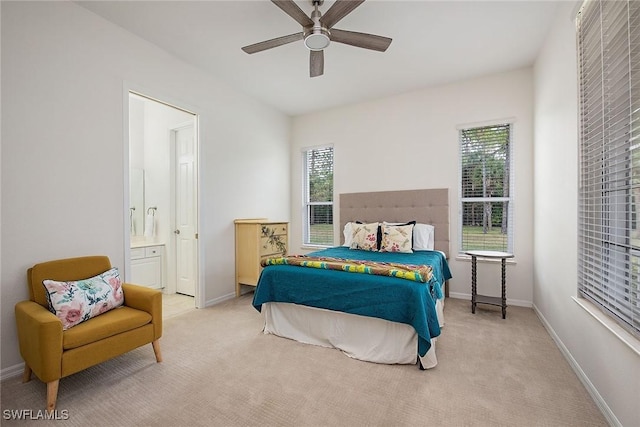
[486, 188]
[318, 187]
[608, 34]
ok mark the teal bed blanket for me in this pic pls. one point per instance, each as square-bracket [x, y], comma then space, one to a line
[388, 298]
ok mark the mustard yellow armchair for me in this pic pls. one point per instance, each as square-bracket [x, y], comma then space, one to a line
[52, 353]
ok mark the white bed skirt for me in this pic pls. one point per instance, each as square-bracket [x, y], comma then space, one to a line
[360, 337]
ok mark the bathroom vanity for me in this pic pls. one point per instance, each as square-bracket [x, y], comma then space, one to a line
[147, 264]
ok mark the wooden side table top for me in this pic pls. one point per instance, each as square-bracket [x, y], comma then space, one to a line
[489, 254]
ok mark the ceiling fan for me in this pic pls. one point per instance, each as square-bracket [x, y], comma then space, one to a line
[317, 32]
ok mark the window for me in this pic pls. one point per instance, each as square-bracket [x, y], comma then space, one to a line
[486, 191]
[318, 196]
[608, 35]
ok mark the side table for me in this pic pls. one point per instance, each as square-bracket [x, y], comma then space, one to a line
[484, 299]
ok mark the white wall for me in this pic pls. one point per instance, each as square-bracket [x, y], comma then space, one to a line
[411, 141]
[136, 132]
[136, 165]
[65, 72]
[611, 367]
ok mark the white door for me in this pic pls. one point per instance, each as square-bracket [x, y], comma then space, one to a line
[186, 210]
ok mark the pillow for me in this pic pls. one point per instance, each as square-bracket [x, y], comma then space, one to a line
[364, 236]
[394, 223]
[396, 238]
[347, 232]
[423, 239]
[75, 302]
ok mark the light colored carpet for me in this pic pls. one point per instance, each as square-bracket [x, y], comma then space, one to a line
[220, 370]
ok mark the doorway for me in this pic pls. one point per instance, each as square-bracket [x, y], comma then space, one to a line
[163, 206]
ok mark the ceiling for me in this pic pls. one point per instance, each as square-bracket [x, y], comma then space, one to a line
[434, 42]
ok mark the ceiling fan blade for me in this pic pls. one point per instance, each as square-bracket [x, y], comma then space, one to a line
[363, 40]
[339, 10]
[291, 8]
[268, 44]
[316, 63]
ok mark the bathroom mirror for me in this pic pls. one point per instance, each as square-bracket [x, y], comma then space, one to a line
[136, 202]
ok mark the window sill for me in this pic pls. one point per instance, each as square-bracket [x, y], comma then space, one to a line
[626, 337]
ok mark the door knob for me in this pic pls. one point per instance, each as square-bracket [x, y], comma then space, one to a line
[177, 232]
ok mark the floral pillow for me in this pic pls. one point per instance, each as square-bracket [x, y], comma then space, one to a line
[364, 236]
[396, 238]
[75, 302]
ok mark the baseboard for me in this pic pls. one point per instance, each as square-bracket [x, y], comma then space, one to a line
[218, 300]
[514, 302]
[12, 371]
[593, 392]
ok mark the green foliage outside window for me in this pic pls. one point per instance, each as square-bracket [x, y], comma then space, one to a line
[319, 196]
[485, 187]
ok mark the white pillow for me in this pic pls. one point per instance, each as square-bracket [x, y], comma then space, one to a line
[423, 239]
[348, 233]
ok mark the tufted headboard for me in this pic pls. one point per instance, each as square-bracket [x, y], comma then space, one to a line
[429, 206]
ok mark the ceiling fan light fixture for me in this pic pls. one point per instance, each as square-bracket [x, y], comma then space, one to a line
[318, 40]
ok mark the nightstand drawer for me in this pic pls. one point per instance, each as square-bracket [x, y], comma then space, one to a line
[273, 245]
[275, 229]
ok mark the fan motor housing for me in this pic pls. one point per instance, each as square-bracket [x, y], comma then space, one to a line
[316, 38]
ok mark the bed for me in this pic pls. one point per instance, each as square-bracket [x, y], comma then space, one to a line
[374, 317]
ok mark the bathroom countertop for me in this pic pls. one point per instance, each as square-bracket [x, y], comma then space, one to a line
[143, 243]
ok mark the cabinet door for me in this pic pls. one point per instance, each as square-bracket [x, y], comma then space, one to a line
[147, 272]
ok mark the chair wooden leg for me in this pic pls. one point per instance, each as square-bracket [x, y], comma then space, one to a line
[52, 395]
[156, 350]
[26, 375]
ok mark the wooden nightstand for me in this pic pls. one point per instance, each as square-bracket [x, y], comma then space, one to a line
[484, 299]
[257, 239]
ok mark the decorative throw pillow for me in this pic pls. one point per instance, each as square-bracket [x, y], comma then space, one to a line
[396, 238]
[75, 302]
[364, 236]
[396, 223]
